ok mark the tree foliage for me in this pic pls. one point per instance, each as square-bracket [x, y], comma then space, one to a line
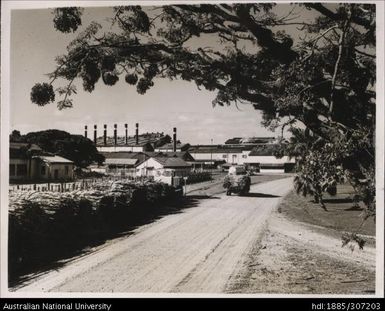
[323, 81]
[76, 148]
[67, 19]
[42, 94]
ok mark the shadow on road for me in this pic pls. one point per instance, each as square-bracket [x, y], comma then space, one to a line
[339, 200]
[201, 197]
[143, 216]
[260, 195]
[353, 209]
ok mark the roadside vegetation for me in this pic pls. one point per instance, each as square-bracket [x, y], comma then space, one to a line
[197, 177]
[344, 217]
[47, 226]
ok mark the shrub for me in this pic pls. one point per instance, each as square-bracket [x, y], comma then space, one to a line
[44, 226]
[28, 238]
[197, 177]
[65, 228]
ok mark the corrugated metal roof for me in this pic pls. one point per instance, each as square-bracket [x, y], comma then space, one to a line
[215, 150]
[264, 150]
[170, 146]
[122, 155]
[184, 155]
[249, 140]
[54, 159]
[172, 162]
[146, 154]
[144, 139]
[120, 161]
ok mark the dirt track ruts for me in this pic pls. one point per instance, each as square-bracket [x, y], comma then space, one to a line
[196, 251]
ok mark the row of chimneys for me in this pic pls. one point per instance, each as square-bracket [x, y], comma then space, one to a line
[126, 128]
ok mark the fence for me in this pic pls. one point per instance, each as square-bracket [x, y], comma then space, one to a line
[71, 186]
[87, 183]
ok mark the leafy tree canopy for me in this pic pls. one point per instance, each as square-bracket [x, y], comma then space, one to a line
[302, 81]
[323, 81]
[76, 148]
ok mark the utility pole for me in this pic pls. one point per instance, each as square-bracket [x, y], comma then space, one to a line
[211, 155]
[211, 159]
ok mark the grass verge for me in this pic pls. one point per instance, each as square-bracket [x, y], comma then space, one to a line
[341, 215]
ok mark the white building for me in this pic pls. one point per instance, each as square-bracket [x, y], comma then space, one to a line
[121, 166]
[260, 156]
[163, 168]
[216, 154]
[170, 147]
[141, 147]
[263, 157]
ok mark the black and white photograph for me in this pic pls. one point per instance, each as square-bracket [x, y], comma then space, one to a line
[192, 149]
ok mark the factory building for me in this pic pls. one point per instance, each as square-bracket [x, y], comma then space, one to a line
[125, 153]
[257, 153]
[144, 142]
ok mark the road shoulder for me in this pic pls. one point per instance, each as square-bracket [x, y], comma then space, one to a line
[297, 258]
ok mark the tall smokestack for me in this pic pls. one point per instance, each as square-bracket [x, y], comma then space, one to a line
[137, 134]
[85, 131]
[115, 134]
[126, 125]
[174, 139]
[95, 134]
[105, 135]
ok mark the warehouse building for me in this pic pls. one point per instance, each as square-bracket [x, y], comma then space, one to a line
[264, 160]
[140, 142]
[258, 153]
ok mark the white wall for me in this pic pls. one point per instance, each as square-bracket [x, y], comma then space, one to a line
[153, 168]
[120, 148]
[164, 179]
[167, 150]
[223, 156]
[268, 160]
[272, 171]
[143, 168]
[101, 169]
[241, 158]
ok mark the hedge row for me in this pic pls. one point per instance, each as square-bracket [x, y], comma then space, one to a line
[197, 177]
[46, 226]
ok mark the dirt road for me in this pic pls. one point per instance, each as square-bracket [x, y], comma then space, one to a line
[195, 251]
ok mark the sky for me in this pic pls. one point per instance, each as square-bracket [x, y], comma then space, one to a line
[35, 44]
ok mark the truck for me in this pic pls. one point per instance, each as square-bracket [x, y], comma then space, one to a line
[237, 181]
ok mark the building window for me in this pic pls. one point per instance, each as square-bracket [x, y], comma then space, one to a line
[244, 156]
[42, 170]
[225, 156]
[167, 173]
[66, 170]
[12, 170]
[21, 170]
[234, 158]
